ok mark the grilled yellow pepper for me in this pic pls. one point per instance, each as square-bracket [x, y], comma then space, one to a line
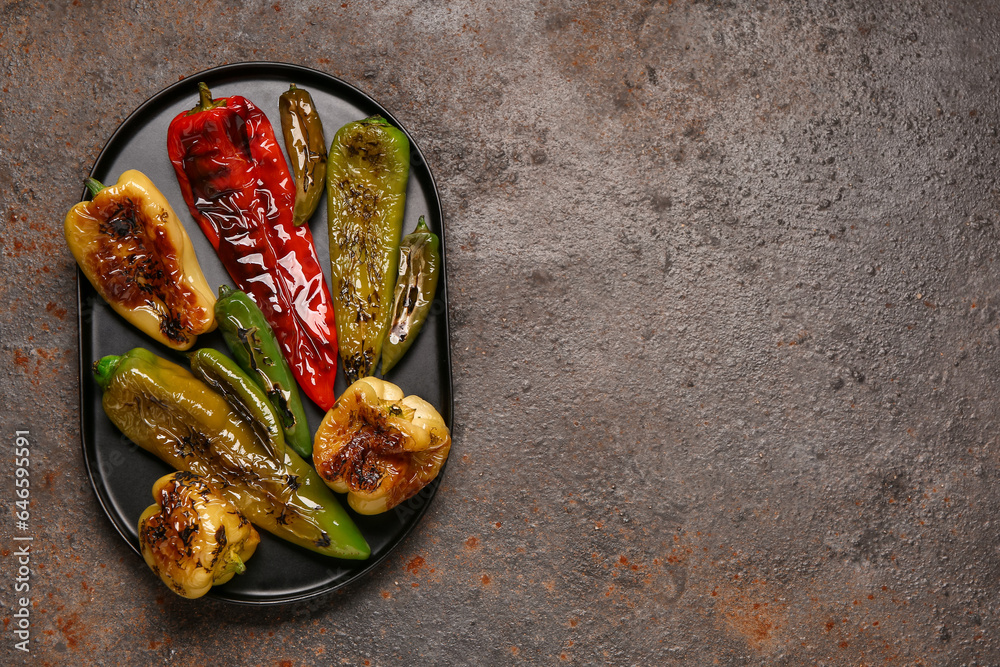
[134, 251]
[379, 447]
[193, 538]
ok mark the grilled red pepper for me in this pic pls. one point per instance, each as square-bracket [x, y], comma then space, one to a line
[236, 183]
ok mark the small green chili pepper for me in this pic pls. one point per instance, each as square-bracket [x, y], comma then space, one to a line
[224, 376]
[257, 351]
[419, 267]
[306, 146]
[176, 416]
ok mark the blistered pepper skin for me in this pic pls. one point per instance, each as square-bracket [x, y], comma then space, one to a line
[380, 447]
[170, 413]
[193, 538]
[416, 285]
[252, 343]
[366, 174]
[237, 186]
[137, 255]
[305, 144]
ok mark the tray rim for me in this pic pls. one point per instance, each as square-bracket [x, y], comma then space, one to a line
[277, 70]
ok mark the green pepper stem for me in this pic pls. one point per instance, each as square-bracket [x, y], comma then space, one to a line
[224, 291]
[421, 226]
[104, 368]
[204, 95]
[93, 186]
[234, 564]
[205, 101]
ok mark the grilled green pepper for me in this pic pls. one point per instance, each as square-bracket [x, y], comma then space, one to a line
[306, 147]
[169, 412]
[419, 266]
[254, 346]
[245, 398]
[366, 175]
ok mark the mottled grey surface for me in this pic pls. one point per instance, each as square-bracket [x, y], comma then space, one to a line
[723, 303]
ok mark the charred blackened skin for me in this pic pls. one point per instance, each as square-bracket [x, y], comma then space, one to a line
[351, 462]
[356, 461]
[133, 268]
[192, 537]
[134, 251]
[171, 500]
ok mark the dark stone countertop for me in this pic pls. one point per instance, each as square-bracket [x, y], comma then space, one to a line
[724, 313]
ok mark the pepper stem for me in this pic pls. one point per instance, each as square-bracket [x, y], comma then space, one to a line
[224, 291]
[421, 226]
[234, 564]
[93, 186]
[104, 368]
[205, 101]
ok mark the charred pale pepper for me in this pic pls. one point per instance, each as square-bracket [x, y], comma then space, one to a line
[167, 411]
[237, 185]
[254, 346]
[419, 266]
[194, 538]
[134, 251]
[306, 147]
[379, 447]
[366, 175]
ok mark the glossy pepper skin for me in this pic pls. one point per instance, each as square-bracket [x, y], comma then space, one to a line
[366, 176]
[135, 252]
[238, 188]
[416, 284]
[244, 397]
[379, 447]
[170, 413]
[306, 147]
[192, 537]
[258, 353]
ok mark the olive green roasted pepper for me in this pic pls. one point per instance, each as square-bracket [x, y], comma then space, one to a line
[419, 266]
[254, 346]
[306, 147]
[169, 412]
[366, 175]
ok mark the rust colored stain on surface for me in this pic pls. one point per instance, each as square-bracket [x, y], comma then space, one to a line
[413, 567]
[752, 611]
[70, 629]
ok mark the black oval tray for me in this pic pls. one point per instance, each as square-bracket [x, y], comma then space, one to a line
[121, 473]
